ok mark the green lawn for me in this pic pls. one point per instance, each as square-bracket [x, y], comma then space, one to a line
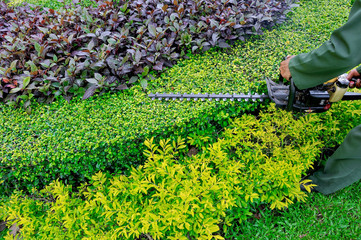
[336, 216]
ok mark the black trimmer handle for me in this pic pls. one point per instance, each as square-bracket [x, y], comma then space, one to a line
[280, 79]
[291, 95]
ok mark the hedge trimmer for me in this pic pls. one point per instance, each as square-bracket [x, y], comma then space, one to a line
[285, 95]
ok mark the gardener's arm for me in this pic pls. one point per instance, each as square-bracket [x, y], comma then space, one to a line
[335, 57]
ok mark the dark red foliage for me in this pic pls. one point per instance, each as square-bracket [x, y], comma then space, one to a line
[82, 51]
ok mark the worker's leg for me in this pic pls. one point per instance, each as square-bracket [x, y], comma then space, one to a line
[343, 168]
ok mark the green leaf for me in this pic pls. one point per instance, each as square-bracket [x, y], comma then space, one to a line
[133, 79]
[11, 103]
[152, 30]
[34, 68]
[138, 56]
[23, 97]
[37, 48]
[13, 65]
[10, 39]
[92, 80]
[46, 63]
[27, 104]
[145, 71]
[124, 8]
[173, 16]
[15, 90]
[91, 45]
[125, 59]
[26, 82]
[144, 83]
[111, 41]
[98, 76]
[43, 30]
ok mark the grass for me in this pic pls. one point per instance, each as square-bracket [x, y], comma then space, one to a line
[336, 216]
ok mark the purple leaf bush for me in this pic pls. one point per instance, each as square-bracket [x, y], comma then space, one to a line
[81, 51]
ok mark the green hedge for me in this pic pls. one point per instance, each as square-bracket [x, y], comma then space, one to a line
[258, 160]
[73, 141]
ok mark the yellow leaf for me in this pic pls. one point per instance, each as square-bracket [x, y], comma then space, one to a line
[218, 237]
[213, 228]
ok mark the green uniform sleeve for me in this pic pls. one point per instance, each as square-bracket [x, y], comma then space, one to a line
[334, 57]
[358, 69]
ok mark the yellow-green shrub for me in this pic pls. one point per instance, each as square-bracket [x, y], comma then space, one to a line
[258, 160]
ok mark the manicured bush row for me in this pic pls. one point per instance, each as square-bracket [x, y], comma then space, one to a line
[258, 160]
[46, 53]
[73, 141]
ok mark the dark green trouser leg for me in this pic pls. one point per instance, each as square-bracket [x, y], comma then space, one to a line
[343, 168]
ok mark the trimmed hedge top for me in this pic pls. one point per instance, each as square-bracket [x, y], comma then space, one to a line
[72, 141]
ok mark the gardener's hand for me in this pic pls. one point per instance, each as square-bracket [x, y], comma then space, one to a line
[354, 83]
[284, 69]
[353, 74]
